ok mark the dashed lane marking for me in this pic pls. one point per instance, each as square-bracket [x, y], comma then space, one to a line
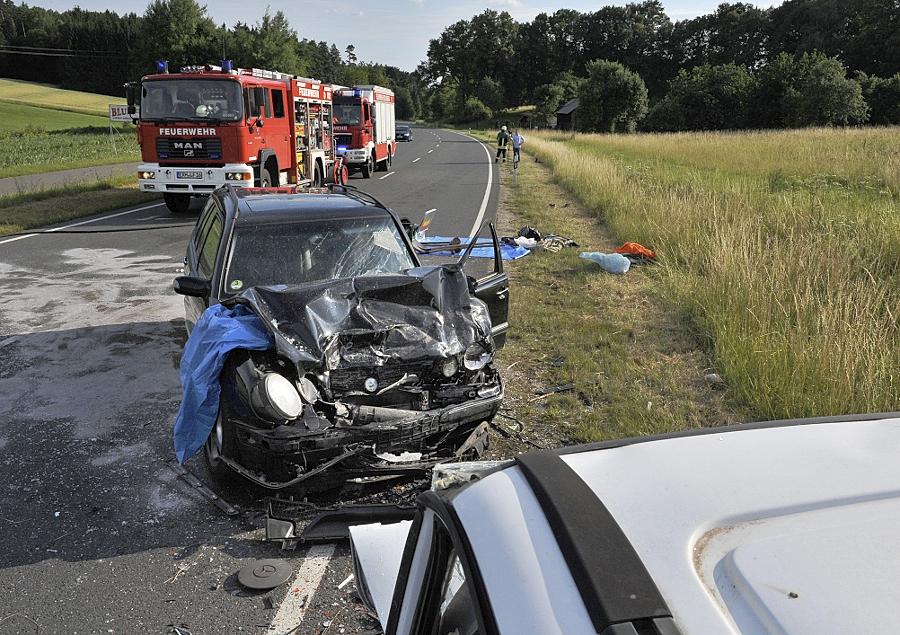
[419, 159]
[300, 594]
[85, 222]
[381, 178]
[430, 151]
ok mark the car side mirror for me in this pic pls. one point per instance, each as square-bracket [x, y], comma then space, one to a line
[194, 287]
[258, 123]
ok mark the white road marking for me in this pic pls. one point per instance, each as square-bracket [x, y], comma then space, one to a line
[487, 190]
[300, 594]
[419, 159]
[85, 222]
[430, 151]
[381, 178]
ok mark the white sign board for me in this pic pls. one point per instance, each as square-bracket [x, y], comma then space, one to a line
[118, 112]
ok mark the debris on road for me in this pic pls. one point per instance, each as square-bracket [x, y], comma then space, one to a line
[265, 574]
[185, 475]
[346, 581]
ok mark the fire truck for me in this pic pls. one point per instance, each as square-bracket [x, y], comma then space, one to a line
[364, 132]
[206, 126]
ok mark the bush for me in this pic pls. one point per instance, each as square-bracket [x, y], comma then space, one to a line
[611, 99]
[882, 94]
[475, 110]
[706, 98]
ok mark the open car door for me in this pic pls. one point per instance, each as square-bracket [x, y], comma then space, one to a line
[483, 263]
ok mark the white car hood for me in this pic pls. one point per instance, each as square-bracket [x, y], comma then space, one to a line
[377, 552]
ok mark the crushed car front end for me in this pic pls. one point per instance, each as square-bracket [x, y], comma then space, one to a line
[368, 377]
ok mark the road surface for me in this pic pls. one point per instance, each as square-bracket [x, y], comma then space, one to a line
[97, 533]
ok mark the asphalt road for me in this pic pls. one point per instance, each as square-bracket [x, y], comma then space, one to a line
[97, 532]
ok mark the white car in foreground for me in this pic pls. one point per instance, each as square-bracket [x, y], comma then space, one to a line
[780, 527]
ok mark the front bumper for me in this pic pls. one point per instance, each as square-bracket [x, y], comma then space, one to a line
[184, 179]
[340, 453]
[354, 156]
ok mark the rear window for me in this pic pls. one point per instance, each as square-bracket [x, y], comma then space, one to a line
[314, 250]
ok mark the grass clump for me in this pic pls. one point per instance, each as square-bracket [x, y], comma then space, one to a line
[782, 248]
[48, 207]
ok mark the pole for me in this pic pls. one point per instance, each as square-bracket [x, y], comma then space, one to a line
[224, 33]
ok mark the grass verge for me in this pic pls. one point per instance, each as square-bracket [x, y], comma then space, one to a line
[635, 365]
[27, 211]
[782, 248]
[16, 91]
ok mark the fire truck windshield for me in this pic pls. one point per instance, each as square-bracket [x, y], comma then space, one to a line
[191, 99]
[347, 114]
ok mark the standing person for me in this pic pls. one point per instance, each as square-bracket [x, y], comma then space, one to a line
[517, 141]
[502, 142]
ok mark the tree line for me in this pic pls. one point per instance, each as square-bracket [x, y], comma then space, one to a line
[802, 63]
[98, 51]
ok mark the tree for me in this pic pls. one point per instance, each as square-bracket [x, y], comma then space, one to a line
[406, 108]
[351, 54]
[490, 93]
[706, 98]
[882, 94]
[611, 99]
[442, 103]
[549, 97]
[474, 110]
[175, 30]
[812, 90]
[276, 45]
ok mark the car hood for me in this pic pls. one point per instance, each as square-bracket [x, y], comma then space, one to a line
[377, 554]
[421, 313]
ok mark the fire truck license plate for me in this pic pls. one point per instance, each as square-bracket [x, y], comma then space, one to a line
[189, 174]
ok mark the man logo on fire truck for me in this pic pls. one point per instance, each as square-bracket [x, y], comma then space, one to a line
[256, 128]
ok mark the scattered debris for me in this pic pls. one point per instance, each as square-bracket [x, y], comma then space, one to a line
[181, 570]
[612, 263]
[268, 603]
[201, 487]
[636, 253]
[325, 524]
[715, 380]
[346, 581]
[265, 574]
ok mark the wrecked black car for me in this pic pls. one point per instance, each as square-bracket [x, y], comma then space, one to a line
[331, 351]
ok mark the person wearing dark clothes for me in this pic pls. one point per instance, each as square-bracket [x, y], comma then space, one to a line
[502, 143]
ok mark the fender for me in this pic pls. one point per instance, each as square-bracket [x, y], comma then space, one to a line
[264, 155]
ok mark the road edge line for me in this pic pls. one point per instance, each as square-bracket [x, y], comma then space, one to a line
[84, 222]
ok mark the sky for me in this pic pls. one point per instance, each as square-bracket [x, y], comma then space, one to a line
[393, 32]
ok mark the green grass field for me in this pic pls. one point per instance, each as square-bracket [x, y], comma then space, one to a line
[38, 139]
[782, 249]
[15, 91]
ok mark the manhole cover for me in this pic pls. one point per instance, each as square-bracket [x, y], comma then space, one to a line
[265, 574]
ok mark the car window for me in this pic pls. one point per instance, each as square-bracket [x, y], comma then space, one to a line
[278, 103]
[456, 612]
[307, 251]
[209, 247]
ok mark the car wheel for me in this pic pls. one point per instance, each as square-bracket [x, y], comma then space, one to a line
[220, 443]
[177, 203]
[265, 179]
[368, 167]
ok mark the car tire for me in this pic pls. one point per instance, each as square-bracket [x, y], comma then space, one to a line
[221, 442]
[265, 179]
[177, 203]
[317, 177]
[368, 167]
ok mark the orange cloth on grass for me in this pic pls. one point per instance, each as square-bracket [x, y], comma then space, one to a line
[636, 249]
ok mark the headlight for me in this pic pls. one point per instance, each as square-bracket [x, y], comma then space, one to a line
[238, 176]
[477, 357]
[147, 174]
[274, 397]
[449, 367]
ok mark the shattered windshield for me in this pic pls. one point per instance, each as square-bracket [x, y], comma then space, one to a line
[313, 250]
[191, 99]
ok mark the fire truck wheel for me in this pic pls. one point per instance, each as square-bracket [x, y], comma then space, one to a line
[265, 179]
[369, 167]
[345, 175]
[177, 203]
[317, 177]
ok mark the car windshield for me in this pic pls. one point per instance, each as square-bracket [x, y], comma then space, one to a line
[191, 99]
[313, 250]
[347, 114]
[402, 128]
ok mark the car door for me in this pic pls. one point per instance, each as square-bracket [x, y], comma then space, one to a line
[493, 289]
[201, 259]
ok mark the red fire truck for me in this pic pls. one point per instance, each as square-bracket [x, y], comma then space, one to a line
[206, 126]
[364, 129]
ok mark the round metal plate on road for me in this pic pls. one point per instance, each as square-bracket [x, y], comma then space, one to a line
[265, 574]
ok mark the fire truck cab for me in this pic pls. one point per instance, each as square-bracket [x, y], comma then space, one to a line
[207, 126]
[364, 127]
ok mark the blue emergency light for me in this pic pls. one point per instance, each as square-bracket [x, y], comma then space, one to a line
[162, 66]
[357, 93]
[227, 66]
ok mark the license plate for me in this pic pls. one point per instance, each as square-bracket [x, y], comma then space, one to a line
[189, 174]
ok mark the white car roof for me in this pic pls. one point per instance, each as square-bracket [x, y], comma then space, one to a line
[787, 529]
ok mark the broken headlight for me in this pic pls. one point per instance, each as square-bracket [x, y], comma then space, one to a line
[275, 398]
[477, 357]
[449, 367]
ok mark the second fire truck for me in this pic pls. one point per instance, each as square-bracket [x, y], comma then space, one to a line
[207, 126]
[364, 130]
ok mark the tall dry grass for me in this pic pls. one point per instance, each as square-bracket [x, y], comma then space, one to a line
[783, 248]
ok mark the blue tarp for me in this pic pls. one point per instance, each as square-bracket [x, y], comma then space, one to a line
[219, 331]
[507, 252]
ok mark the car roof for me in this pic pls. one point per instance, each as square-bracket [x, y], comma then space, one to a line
[772, 528]
[282, 205]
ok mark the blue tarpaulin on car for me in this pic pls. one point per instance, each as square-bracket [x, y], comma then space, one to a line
[484, 248]
[219, 331]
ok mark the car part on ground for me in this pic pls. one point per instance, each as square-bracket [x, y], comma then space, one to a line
[262, 575]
